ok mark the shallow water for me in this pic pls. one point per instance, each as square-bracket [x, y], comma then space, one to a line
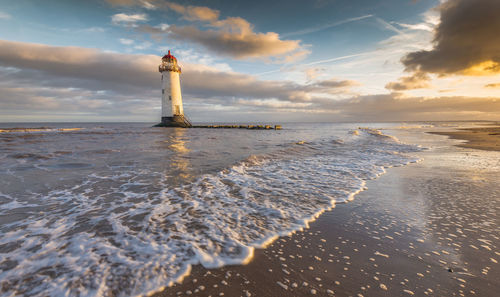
[125, 209]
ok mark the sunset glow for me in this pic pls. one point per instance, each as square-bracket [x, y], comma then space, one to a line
[97, 61]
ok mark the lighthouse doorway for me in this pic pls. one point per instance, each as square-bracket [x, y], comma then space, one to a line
[177, 110]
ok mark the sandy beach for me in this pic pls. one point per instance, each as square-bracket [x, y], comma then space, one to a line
[486, 138]
[250, 148]
[429, 228]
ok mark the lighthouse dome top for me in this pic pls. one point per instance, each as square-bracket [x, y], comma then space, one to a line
[169, 57]
[169, 63]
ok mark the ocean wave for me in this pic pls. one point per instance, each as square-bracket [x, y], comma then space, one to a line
[39, 129]
[131, 233]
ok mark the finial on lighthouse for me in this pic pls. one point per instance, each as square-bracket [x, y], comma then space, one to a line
[172, 112]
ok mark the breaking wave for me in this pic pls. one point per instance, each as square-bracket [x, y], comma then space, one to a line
[131, 233]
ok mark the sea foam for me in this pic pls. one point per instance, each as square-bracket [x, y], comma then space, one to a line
[132, 233]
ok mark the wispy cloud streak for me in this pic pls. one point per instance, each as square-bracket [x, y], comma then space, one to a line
[389, 26]
[327, 26]
[337, 59]
[318, 62]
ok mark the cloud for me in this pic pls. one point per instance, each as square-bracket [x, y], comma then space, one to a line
[122, 2]
[312, 73]
[77, 62]
[128, 74]
[497, 85]
[144, 3]
[232, 36]
[274, 104]
[93, 29]
[421, 26]
[72, 83]
[428, 24]
[91, 83]
[128, 19]
[148, 5]
[333, 83]
[195, 13]
[338, 58]
[126, 41]
[392, 107]
[327, 26]
[373, 108]
[27, 92]
[4, 16]
[417, 80]
[239, 45]
[144, 45]
[325, 61]
[389, 26]
[163, 26]
[465, 42]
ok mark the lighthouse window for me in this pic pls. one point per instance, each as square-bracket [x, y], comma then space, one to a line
[163, 91]
[169, 97]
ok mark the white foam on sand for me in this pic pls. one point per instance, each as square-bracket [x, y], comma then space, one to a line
[130, 234]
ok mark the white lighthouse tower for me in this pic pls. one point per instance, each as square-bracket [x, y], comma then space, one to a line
[172, 112]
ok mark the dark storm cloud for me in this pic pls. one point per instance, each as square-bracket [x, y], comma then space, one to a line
[467, 36]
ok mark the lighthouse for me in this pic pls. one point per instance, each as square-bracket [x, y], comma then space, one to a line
[172, 112]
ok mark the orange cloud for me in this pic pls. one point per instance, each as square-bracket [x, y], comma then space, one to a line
[239, 45]
[195, 13]
[497, 85]
[484, 68]
[232, 36]
[417, 80]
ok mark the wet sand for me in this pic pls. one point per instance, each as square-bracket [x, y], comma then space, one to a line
[423, 229]
[477, 138]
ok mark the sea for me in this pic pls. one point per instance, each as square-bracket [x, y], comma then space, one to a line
[125, 209]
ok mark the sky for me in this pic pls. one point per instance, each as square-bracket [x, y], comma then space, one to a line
[251, 61]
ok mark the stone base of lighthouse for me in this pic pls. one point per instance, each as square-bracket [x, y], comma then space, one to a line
[175, 121]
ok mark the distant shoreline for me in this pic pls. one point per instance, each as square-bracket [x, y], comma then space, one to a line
[477, 138]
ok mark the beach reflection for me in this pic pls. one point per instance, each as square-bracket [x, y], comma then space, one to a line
[180, 164]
